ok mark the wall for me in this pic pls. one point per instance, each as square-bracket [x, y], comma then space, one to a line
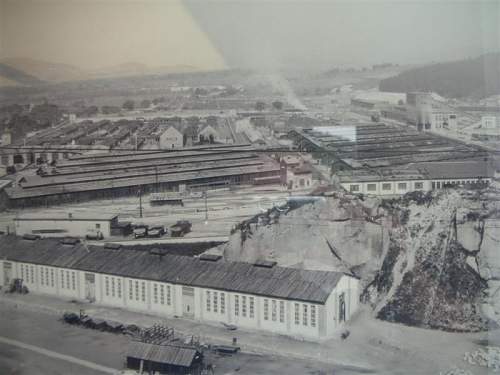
[171, 139]
[349, 287]
[76, 228]
[378, 188]
[243, 310]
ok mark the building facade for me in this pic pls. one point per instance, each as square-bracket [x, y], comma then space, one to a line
[298, 303]
[65, 225]
[171, 139]
[426, 177]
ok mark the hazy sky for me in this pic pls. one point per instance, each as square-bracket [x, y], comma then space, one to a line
[211, 34]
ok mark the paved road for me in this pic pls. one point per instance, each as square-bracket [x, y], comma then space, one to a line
[38, 343]
[53, 355]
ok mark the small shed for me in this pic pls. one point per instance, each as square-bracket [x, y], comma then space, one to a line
[167, 358]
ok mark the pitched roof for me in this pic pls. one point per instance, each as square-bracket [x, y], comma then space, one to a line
[176, 355]
[240, 277]
[456, 169]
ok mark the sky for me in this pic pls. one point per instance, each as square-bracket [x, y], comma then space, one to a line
[267, 34]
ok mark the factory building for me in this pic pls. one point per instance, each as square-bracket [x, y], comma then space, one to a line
[118, 174]
[259, 296]
[418, 177]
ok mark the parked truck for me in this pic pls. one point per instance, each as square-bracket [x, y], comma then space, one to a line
[181, 228]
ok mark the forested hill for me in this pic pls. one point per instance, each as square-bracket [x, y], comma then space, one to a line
[478, 77]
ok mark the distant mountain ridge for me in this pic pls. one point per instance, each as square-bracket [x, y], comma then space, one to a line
[476, 77]
[31, 72]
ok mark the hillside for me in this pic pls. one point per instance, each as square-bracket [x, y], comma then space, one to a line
[43, 70]
[428, 260]
[11, 76]
[31, 72]
[478, 77]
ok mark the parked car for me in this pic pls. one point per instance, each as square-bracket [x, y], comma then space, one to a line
[180, 228]
[140, 231]
[156, 231]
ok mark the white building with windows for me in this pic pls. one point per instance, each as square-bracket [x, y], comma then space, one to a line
[57, 224]
[260, 296]
[171, 138]
[418, 177]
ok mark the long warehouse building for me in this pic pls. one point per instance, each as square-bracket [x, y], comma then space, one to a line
[261, 296]
[124, 174]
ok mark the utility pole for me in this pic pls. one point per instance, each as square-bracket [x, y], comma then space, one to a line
[156, 176]
[205, 194]
[140, 202]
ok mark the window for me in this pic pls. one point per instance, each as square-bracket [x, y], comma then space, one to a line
[130, 290]
[67, 278]
[386, 186]
[354, 188]
[252, 307]
[62, 279]
[304, 315]
[52, 282]
[143, 291]
[155, 293]
[216, 304]
[297, 314]
[32, 274]
[282, 311]
[236, 305]
[244, 306]
[113, 287]
[73, 280]
[266, 309]
[98, 226]
[273, 310]
[137, 290]
[313, 316]
[41, 276]
[162, 294]
[119, 288]
[402, 186]
[106, 288]
[419, 185]
[371, 187]
[22, 271]
[169, 296]
[433, 184]
[222, 303]
[208, 300]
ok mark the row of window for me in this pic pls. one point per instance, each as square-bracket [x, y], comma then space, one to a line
[442, 184]
[68, 280]
[275, 311]
[308, 314]
[28, 273]
[136, 293]
[47, 277]
[386, 186]
[112, 287]
[162, 293]
[247, 306]
[212, 300]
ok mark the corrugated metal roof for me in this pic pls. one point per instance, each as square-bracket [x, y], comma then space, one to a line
[456, 169]
[169, 354]
[239, 277]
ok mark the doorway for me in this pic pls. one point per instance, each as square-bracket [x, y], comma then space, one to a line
[188, 302]
[90, 286]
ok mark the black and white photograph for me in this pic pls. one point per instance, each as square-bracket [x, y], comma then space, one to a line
[249, 187]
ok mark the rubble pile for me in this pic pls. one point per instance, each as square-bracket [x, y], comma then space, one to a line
[427, 259]
[488, 357]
